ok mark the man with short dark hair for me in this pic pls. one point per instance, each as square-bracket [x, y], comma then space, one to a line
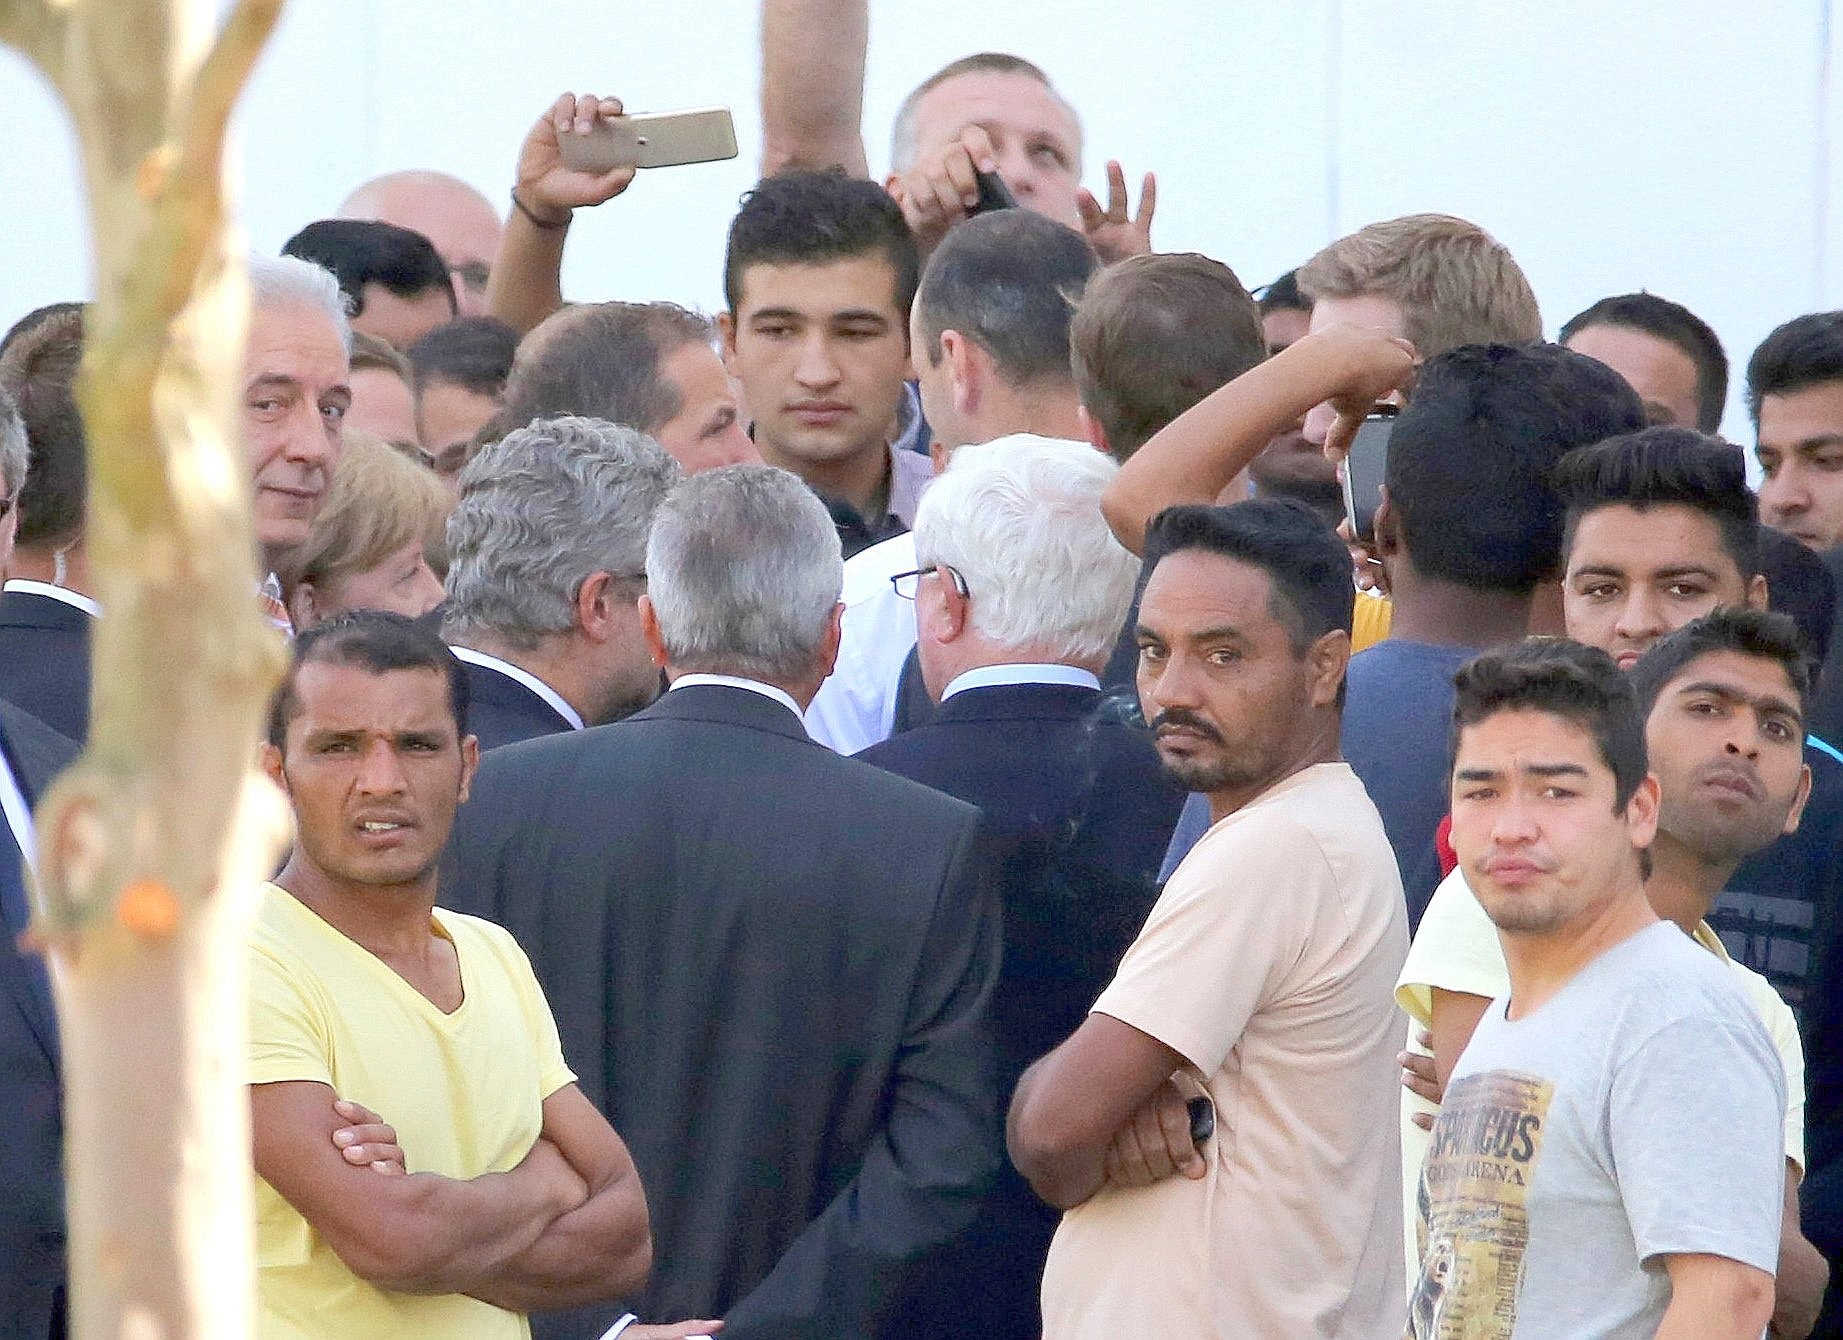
[649, 366]
[461, 223]
[362, 990]
[1661, 530]
[395, 280]
[546, 555]
[1669, 355]
[459, 377]
[1257, 991]
[770, 965]
[1795, 395]
[1723, 699]
[1466, 531]
[48, 608]
[1552, 1204]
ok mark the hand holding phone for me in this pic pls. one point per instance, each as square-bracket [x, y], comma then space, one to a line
[651, 140]
[1364, 469]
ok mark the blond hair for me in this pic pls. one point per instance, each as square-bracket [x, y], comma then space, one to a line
[1455, 283]
[378, 501]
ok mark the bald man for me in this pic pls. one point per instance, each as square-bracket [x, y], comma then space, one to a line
[461, 222]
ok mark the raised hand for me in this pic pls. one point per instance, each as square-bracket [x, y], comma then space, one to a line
[1112, 233]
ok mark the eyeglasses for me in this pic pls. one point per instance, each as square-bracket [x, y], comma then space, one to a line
[906, 583]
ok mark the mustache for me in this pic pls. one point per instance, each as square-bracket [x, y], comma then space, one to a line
[1183, 716]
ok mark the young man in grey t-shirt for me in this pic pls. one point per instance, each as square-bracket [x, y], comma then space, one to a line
[1608, 1159]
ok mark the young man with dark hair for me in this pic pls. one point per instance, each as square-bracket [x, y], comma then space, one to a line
[396, 281]
[1723, 699]
[1258, 991]
[48, 607]
[819, 274]
[459, 376]
[649, 366]
[1550, 1204]
[1795, 395]
[1291, 466]
[362, 990]
[1669, 354]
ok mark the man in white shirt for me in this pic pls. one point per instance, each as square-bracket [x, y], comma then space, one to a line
[547, 557]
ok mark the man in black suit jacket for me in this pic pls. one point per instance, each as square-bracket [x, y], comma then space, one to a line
[1018, 607]
[46, 610]
[31, 1168]
[546, 556]
[770, 965]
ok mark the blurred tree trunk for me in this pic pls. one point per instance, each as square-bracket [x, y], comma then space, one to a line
[150, 848]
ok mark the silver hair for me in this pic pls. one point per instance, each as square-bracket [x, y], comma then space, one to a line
[744, 570]
[1020, 520]
[289, 281]
[14, 454]
[542, 510]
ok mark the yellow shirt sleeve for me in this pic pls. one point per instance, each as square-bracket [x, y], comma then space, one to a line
[289, 1038]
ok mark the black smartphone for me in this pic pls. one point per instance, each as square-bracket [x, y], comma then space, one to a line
[993, 194]
[1202, 1120]
[1363, 471]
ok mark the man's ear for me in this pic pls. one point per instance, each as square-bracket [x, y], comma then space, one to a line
[649, 629]
[942, 608]
[1759, 592]
[1092, 430]
[829, 642]
[969, 371]
[599, 607]
[470, 762]
[726, 329]
[1641, 812]
[302, 607]
[1797, 814]
[1387, 526]
[271, 763]
[1329, 659]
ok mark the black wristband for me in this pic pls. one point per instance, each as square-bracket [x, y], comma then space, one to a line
[545, 224]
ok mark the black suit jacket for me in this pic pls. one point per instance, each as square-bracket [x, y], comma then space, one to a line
[1075, 818]
[770, 967]
[31, 1158]
[502, 711]
[45, 661]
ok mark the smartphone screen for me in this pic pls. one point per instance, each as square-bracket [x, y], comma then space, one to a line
[1363, 471]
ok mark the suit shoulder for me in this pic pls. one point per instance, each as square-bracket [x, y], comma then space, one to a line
[870, 779]
[42, 752]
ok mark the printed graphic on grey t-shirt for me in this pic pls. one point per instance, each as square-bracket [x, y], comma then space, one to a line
[1473, 1223]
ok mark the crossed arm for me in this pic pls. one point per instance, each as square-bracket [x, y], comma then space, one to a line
[1100, 1108]
[567, 1226]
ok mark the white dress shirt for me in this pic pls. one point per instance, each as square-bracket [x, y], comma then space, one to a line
[991, 676]
[27, 587]
[524, 677]
[856, 706]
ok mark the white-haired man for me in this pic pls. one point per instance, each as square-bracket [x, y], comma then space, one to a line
[1018, 601]
[296, 391]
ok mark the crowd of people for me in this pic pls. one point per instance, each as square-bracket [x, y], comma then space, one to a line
[908, 808]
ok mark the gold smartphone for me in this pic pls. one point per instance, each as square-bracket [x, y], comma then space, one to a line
[651, 140]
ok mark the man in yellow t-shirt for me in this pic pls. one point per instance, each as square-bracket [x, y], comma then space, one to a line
[502, 1189]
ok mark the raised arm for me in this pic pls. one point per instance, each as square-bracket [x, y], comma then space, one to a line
[600, 1250]
[1193, 458]
[813, 84]
[420, 1233]
[527, 282]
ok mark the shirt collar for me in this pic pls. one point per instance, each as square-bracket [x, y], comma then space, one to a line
[780, 695]
[1705, 936]
[990, 676]
[27, 587]
[523, 676]
[910, 474]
